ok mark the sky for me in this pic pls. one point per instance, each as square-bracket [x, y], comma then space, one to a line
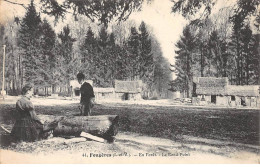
[167, 26]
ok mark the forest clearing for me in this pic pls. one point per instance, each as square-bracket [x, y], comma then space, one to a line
[228, 135]
[150, 81]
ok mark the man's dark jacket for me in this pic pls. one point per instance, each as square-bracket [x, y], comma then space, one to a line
[87, 93]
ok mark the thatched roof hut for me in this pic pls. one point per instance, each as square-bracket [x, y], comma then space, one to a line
[75, 83]
[245, 90]
[220, 86]
[211, 86]
[128, 86]
[103, 90]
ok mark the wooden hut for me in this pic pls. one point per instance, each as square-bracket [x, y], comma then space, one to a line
[75, 86]
[128, 90]
[246, 95]
[211, 90]
[104, 93]
[43, 91]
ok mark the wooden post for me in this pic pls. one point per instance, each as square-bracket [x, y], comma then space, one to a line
[3, 84]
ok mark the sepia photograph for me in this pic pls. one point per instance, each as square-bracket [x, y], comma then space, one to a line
[129, 81]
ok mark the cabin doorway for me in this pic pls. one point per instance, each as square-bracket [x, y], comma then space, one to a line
[77, 92]
[213, 99]
[243, 101]
[126, 96]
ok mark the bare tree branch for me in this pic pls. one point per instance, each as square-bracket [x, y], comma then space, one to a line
[15, 3]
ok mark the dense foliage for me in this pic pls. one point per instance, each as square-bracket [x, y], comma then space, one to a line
[221, 45]
[37, 54]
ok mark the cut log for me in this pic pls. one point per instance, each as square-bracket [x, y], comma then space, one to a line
[6, 130]
[75, 140]
[89, 136]
[105, 126]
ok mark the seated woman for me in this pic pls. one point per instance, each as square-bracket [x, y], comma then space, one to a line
[28, 126]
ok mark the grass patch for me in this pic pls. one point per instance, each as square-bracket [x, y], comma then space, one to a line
[235, 125]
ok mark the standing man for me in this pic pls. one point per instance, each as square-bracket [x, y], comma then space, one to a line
[87, 95]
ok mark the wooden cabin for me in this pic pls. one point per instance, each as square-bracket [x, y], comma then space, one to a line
[75, 87]
[246, 95]
[211, 90]
[128, 90]
[124, 90]
[104, 93]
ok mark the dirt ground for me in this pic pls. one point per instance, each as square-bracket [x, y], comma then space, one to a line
[136, 143]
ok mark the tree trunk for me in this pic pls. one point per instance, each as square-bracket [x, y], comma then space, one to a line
[104, 126]
[238, 63]
[187, 87]
[241, 71]
[238, 73]
[21, 74]
[247, 70]
[201, 61]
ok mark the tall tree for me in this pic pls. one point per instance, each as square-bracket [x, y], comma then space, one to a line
[133, 48]
[247, 37]
[68, 59]
[66, 43]
[184, 59]
[161, 72]
[254, 65]
[29, 41]
[146, 56]
[113, 48]
[89, 46]
[236, 50]
[49, 58]
[48, 41]
[103, 58]
[250, 56]
[219, 59]
[8, 38]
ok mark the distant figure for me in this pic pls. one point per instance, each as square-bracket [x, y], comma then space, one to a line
[87, 95]
[28, 126]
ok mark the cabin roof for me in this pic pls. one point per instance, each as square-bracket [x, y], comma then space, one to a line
[211, 86]
[103, 90]
[128, 86]
[220, 86]
[243, 90]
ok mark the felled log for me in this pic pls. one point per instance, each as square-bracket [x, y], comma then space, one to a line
[105, 126]
[89, 136]
[75, 140]
[6, 130]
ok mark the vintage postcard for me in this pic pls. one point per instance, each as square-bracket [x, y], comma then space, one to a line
[129, 81]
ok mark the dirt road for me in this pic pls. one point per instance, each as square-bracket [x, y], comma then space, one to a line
[129, 148]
